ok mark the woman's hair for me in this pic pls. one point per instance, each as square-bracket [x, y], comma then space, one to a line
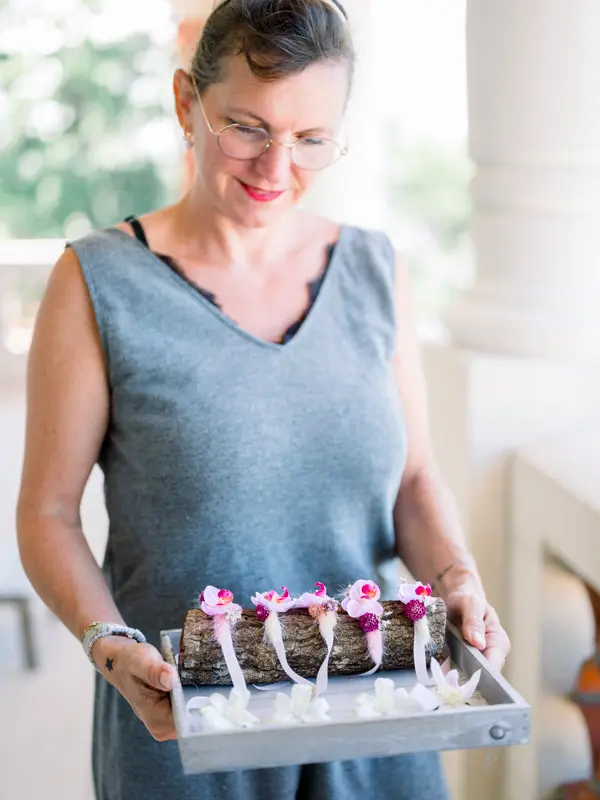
[278, 38]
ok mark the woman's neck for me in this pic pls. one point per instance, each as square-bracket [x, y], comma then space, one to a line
[203, 232]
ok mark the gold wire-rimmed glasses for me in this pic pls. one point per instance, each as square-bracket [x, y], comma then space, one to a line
[246, 142]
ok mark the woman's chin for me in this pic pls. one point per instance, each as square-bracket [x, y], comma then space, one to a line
[253, 214]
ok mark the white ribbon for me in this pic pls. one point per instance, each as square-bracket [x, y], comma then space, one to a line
[222, 629]
[275, 636]
[421, 639]
[375, 648]
[327, 623]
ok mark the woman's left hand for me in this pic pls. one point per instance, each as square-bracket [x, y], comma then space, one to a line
[479, 624]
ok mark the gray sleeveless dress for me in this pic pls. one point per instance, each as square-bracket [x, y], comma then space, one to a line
[244, 464]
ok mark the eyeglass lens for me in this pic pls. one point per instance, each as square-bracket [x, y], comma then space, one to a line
[244, 143]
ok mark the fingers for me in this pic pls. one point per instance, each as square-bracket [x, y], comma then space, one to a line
[149, 666]
[496, 656]
[469, 610]
[480, 625]
[497, 641]
[157, 716]
[150, 678]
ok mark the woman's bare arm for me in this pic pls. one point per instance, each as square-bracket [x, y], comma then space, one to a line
[429, 535]
[67, 416]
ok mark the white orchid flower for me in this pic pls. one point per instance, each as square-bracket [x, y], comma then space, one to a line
[299, 707]
[447, 692]
[221, 713]
[386, 701]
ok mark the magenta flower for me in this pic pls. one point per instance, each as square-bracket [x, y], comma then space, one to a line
[218, 601]
[318, 598]
[416, 598]
[280, 603]
[362, 598]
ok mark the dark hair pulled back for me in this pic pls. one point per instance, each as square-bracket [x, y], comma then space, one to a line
[278, 38]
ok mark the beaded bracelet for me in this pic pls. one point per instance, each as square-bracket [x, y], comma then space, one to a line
[97, 630]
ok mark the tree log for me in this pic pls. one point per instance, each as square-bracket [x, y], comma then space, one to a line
[201, 660]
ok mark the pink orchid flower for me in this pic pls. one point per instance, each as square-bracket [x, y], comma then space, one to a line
[317, 598]
[362, 598]
[415, 591]
[272, 601]
[218, 601]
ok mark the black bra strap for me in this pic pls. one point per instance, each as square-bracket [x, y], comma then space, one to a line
[137, 228]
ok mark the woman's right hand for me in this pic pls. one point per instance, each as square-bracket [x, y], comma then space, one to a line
[144, 679]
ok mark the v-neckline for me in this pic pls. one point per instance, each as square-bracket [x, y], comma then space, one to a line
[226, 319]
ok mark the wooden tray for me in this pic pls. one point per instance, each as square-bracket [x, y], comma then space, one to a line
[503, 720]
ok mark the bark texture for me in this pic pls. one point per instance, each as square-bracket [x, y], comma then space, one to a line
[201, 660]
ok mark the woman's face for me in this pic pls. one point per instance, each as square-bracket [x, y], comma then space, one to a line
[310, 104]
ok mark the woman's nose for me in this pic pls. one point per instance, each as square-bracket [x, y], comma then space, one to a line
[275, 165]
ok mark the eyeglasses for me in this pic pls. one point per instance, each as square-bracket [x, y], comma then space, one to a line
[246, 142]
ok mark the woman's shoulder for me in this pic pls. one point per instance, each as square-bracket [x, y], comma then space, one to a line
[330, 231]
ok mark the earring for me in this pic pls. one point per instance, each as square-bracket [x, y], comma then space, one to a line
[188, 137]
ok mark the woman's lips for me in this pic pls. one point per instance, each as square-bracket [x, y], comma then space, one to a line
[259, 195]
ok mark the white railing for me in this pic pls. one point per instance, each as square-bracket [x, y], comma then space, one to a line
[554, 547]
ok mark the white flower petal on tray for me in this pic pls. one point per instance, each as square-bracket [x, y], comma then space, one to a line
[213, 720]
[221, 713]
[386, 701]
[448, 692]
[317, 711]
[299, 707]
[425, 698]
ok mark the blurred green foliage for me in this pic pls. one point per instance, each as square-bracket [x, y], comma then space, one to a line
[88, 133]
[430, 187]
[430, 215]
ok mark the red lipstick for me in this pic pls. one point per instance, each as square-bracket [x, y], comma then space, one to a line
[259, 195]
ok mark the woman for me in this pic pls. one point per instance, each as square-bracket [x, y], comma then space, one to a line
[248, 378]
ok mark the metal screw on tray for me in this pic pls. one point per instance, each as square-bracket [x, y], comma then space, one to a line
[497, 732]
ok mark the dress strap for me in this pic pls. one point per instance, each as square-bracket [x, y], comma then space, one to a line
[137, 228]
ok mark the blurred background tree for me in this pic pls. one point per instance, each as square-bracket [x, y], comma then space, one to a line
[88, 133]
[429, 212]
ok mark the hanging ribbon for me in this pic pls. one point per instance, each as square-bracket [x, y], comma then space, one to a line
[323, 609]
[327, 623]
[420, 657]
[275, 636]
[416, 598]
[269, 605]
[222, 628]
[218, 603]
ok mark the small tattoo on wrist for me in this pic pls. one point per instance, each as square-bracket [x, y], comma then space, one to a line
[442, 574]
[110, 664]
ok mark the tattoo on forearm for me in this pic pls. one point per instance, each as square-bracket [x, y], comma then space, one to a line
[442, 574]
[110, 664]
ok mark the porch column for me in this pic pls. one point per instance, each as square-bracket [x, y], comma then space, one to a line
[534, 114]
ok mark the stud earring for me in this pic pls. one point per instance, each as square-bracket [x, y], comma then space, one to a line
[188, 138]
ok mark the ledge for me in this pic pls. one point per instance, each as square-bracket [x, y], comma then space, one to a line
[563, 475]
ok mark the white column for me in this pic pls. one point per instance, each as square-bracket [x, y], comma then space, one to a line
[534, 84]
[524, 359]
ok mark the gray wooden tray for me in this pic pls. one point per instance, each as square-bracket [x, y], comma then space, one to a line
[503, 720]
